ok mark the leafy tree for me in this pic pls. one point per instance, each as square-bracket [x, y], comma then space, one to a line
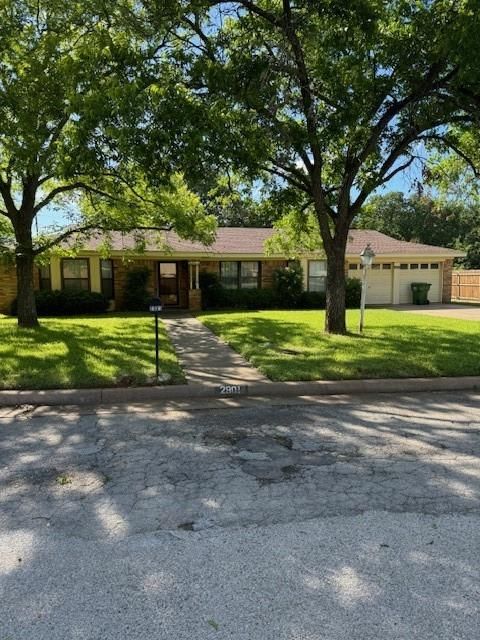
[422, 218]
[76, 81]
[332, 98]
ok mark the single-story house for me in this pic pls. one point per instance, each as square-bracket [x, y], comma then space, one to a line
[238, 257]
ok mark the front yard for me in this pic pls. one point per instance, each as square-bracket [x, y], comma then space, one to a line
[89, 351]
[290, 345]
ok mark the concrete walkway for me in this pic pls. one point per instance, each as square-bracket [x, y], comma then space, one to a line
[459, 311]
[204, 357]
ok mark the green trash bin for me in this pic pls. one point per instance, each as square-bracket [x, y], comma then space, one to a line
[420, 292]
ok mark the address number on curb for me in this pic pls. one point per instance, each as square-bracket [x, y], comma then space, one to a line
[232, 389]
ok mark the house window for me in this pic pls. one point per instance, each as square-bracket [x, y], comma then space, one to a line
[375, 266]
[434, 265]
[240, 275]
[317, 275]
[404, 266]
[414, 266]
[75, 273]
[249, 273]
[106, 273]
[387, 265]
[424, 266]
[45, 278]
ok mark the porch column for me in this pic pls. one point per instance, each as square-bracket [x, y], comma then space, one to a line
[194, 293]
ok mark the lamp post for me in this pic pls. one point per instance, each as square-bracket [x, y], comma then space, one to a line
[155, 307]
[366, 257]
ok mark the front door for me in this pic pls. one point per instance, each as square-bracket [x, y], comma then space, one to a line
[168, 283]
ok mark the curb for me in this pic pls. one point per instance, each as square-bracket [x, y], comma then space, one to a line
[259, 389]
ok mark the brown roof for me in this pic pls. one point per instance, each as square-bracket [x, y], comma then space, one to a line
[250, 241]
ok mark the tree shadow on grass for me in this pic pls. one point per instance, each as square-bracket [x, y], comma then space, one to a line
[62, 353]
[399, 350]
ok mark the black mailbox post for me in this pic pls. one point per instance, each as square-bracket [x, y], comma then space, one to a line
[155, 307]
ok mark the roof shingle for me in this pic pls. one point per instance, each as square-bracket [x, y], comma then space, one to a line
[250, 241]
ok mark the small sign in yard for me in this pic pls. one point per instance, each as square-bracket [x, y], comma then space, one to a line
[155, 307]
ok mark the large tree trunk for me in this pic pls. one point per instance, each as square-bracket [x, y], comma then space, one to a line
[335, 305]
[26, 306]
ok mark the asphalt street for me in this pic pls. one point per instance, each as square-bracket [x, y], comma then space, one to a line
[353, 517]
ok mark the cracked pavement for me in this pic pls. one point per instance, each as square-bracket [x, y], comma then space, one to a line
[123, 473]
[305, 519]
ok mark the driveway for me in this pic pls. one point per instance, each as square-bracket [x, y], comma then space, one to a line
[460, 311]
[326, 519]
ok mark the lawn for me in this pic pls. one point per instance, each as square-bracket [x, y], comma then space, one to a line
[290, 345]
[87, 351]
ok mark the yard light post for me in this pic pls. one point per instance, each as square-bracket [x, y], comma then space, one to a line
[155, 307]
[366, 257]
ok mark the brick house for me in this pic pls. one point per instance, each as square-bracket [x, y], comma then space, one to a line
[238, 257]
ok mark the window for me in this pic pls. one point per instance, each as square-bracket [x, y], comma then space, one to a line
[375, 266]
[387, 265]
[414, 266]
[106, 274]
[229, 275]
[249, 272]
[240, 275]
[424, 266]
[75, 273]
[45, 278]
[317, 275]
[434, 265]
[404, 266]
[352, 267]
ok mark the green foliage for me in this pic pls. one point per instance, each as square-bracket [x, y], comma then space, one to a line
[353, 293]
[136, 296]
[67, 303]
[215, 296]
[296, 233]
[440, 221]
[288, 285]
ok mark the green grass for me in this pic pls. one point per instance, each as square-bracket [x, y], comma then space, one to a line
[395, 344]
[87, 351]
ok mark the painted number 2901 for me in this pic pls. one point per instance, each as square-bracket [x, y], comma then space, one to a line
[230, 389]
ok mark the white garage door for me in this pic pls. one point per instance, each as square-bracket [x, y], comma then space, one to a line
[420, 272]
[379, 282]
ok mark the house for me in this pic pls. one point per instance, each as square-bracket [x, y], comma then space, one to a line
[238, 257]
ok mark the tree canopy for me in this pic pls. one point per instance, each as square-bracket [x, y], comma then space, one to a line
[78, 79]
[333, 98]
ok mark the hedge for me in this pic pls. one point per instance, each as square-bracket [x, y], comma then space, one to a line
[67, 303]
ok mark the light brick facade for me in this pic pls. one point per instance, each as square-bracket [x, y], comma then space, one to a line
[8, 286]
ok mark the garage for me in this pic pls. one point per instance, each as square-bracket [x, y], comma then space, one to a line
[430, 272]
[379, 282]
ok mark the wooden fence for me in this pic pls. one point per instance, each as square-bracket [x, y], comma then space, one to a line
[466, 285]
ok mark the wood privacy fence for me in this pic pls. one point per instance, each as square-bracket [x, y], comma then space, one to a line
[466, 285]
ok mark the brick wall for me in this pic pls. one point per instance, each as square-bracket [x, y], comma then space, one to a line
[8, 286]
[447, 281]
[120, 269]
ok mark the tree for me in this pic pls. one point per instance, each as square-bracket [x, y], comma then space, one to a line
[333, 98]
[76, 79]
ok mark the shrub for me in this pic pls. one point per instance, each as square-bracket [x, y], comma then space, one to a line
[353, 293]
[67, 303]
[136, 294]
[215, 296]
[288, 285]
[312, 300]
